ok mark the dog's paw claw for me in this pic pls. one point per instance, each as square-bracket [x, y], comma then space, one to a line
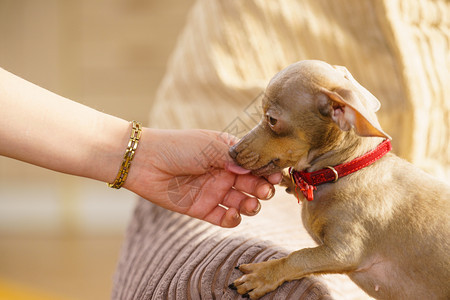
[232, 286]
[237, 267]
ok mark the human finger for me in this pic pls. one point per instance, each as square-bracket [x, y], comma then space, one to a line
[250, 206]
[275, 178]
[254, 185]
[246, 205]
[223, 217]
[226, 138]
[233, 168]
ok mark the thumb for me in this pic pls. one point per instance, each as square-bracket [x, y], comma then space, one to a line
[229, 164]
[222, 143]
[227, 138]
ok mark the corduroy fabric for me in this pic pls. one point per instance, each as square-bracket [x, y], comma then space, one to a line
[171, 256]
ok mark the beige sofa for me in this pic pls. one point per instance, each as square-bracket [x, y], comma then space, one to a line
[398, 49]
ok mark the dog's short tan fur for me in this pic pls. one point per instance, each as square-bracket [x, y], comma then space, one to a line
[386, 226]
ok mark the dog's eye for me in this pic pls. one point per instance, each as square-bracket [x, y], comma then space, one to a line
[271, 121]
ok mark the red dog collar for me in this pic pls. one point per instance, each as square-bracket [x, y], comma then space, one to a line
[307, 182]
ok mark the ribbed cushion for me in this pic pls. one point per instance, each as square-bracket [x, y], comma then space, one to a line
[171, 256]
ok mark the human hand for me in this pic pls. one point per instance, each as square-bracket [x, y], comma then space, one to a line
[190, 172]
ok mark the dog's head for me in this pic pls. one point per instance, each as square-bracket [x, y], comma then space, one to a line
[306, 107]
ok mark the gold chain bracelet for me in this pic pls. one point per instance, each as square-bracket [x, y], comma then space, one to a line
[136, 132]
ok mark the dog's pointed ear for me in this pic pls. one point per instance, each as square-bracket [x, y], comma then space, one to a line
[370, 101]
[348, 109]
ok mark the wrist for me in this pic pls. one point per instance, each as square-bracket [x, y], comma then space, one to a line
[122, 174]
[110, 139]
[143, 161]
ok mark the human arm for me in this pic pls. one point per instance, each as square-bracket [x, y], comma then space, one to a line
[45, 129]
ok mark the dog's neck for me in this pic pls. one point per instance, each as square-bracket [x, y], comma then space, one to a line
[345, 148]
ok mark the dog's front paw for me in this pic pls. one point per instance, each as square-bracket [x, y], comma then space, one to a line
[259, 278]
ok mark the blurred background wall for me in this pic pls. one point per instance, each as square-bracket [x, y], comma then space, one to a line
[60, 235]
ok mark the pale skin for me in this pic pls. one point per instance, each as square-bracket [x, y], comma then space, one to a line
[48, 130]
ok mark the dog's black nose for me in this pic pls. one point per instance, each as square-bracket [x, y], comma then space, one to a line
[232, 152]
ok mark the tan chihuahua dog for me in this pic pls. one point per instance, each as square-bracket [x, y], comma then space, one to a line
[385, 225]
